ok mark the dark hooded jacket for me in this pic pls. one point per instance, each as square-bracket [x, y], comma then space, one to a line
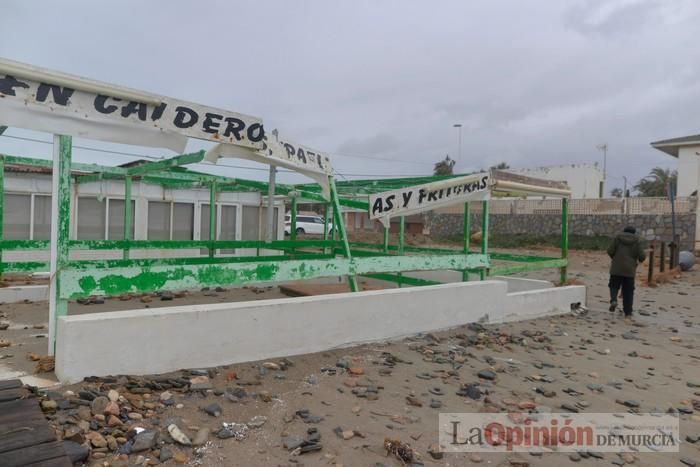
[626, 252]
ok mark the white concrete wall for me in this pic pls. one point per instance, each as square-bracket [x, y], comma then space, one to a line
[21, 293]
[688, 170]
[583, 180]
[168, 339]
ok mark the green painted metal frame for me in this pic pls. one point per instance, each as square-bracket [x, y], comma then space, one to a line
[336, 255]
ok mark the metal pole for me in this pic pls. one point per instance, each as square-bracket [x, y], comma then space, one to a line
[127, 214]
[2, 200]
[271, 205]
[662, 257]
[466, 239]
[60, 230]
[386, 239]
[564, 238]
[212, 218]
[402, 234]
[339, 225]
[484, 235]
[293, 223]
[325, 223]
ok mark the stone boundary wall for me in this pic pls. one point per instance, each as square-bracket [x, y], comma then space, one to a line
[650, 227]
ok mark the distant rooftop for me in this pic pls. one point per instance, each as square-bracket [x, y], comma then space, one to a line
[671, 146]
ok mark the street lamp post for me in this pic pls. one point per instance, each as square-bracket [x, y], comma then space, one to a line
[604, 147]
[459, 147]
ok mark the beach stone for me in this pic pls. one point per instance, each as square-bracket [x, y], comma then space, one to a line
[201, 437]
[113, 395]
[144, 440]
[574, 457]
[292, 442]
[76, 452]
[434, 451]
[213, 409]
[166, 453]
[180, 457]
[49, 406]
[98, 405]
[688, 461]
[487, 374]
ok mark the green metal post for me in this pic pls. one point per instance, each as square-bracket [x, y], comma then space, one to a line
[402, 232]
[325, 223]
[212, 217]
[386, 239]
[484, 234]
[60, 230]
[293, 220]
[564, 237]
[467, 229]
[339, 225]
[127, 213]
[2, 200]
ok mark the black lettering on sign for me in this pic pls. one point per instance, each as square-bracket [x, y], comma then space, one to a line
[255, 132]
[457, 190]
[406, 197]
[301, 155]
[377, 206]
[483, 181]
[421, 196]
[389, 202]
[61, 96]
[449, 192]
[432, 196]
[137, 108]
[290, 150]
[8, 83]
[211, 122]
[158, 111]
[185, 117]
[234, 126]
[100, 106]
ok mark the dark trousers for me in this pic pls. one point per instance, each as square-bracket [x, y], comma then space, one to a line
[627, 285]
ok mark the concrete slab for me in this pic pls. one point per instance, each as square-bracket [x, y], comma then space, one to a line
[172, 338]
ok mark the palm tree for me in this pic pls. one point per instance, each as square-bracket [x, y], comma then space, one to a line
[656, 183]
[444, 167]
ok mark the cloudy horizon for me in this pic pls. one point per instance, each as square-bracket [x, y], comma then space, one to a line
[379, 85]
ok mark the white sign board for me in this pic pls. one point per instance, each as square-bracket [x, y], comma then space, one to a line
[89, 109]
[420, 198]
[282, 153]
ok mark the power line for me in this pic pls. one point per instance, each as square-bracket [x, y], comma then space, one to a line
[261, 169]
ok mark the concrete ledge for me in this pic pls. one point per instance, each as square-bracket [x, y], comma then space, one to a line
[34, 293]
[168, 339]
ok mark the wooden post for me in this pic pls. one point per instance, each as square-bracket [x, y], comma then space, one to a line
[650, 273]
[662, 257]
[60, 230]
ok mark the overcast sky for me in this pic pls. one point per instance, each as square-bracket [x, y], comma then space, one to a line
[379, 84]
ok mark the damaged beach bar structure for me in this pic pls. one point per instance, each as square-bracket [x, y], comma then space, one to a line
[69, 106]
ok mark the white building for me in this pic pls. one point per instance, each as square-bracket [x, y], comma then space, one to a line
[97, 213]
[584, 180]
[687, 150]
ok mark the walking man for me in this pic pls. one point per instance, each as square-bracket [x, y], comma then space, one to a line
[626, 252]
